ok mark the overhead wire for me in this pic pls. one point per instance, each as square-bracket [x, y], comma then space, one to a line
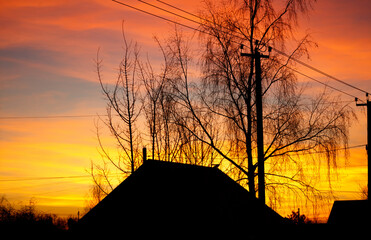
[31, 184]
[179, 9]
[42, 178]
[165, 10]
[204, 32]
[157, 16]
[320, 82]
[48, 116]
[338, 149]
[226, 29]
[173, 21]
[22, 179]
[318, 70]
[192, 28]
[278, 51]
[275, 49]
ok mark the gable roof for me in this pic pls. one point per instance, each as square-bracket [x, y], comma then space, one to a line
[173, 194]
[349, 212]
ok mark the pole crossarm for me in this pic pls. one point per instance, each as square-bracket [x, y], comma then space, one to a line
[253, 55]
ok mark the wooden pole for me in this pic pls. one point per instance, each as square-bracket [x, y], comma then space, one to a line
[144, 154]
[368, 147]
[259, 118]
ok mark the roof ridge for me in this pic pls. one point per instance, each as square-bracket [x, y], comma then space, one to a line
[178, 163]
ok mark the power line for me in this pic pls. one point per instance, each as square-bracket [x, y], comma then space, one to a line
[162, 9]
[276, 50]
[32, 185]
[191, 20]
[157, 16]
[21, 179]
[42, 178]
[338, 149]
[318, 70]
[228, 30]
[318, 81]
[172, 6]
[49, 116]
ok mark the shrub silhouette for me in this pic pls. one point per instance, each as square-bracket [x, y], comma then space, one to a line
[297, 218]
[27, 221]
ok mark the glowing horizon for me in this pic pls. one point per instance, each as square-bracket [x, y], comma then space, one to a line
[47, 52]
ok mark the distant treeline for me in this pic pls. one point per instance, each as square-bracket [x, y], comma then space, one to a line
[27, 221]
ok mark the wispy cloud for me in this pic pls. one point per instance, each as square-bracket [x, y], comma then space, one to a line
[47, 52]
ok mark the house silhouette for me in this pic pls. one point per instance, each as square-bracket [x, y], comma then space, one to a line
[165, 196]
[350, 212]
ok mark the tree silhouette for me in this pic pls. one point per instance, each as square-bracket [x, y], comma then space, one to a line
[300, 130]
[297, 218]
[200, 107]
[123, 109]
[26, 221]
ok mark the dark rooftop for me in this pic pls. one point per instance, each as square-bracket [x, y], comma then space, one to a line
[349, 212]
[182, 196]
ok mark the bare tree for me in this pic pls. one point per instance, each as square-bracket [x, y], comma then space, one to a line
[184, 91]
[123, 110]
[154, 101]
[100, 188]
[299, 130]
[364, 192]
[170, 139]
[167, 141]
[209, 115]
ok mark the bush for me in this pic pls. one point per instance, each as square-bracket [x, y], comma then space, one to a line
[297, 218]
[27, 221]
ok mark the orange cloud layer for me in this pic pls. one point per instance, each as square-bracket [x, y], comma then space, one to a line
[59, 39]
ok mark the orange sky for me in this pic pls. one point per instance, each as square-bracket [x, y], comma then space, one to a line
[47, 50]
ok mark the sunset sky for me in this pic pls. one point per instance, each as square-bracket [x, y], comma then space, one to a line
[47, 69]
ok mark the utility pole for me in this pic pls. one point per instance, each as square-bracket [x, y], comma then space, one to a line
[259, 118]
[144, 155]
[368, 105]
